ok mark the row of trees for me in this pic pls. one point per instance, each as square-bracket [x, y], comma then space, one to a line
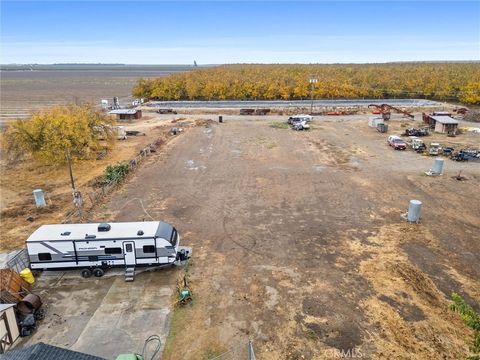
[445, 81]
[79, 130]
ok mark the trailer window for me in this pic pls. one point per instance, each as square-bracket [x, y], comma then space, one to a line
[173, 238]
[148, 249]
[113, 250]
[44, 256]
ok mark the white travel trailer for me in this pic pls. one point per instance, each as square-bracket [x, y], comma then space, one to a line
[96, 247]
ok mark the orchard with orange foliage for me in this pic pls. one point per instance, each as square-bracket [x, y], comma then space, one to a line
[439, 81]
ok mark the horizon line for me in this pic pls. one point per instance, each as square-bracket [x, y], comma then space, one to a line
[247, 63]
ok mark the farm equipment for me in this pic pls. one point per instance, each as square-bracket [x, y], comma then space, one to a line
[461, 111]
[166, 111]
[335, 113]
[247, 111]
[116, 104]
[262, 111]
[382, 128]
[435, 149]
[466, 155]
[416, 132]
[385, 111]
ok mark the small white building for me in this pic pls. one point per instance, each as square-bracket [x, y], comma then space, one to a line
[8, 327]
[374, 121]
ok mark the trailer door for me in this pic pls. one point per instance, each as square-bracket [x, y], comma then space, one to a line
[129, 253]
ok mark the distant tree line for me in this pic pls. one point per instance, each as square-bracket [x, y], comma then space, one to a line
[439, 81]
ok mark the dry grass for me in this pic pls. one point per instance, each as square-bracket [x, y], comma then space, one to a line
[19, 216]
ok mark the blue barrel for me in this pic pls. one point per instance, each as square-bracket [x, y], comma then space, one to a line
[39, 198]
[438, 167]
[413, 215]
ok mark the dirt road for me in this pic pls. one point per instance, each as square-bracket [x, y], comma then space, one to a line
[299, 245]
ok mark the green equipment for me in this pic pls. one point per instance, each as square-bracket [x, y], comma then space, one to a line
[151, 338]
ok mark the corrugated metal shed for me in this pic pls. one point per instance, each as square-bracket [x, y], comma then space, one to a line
[444, 119]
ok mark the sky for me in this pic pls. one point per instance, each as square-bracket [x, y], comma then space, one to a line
[160, 32]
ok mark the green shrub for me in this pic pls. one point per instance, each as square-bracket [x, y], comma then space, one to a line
[471, 319]
[117, 172]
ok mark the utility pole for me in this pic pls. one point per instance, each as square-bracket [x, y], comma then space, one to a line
[313, 80]
[77, 196]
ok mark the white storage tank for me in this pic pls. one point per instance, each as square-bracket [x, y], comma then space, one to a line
[39, 198]
[413, 215]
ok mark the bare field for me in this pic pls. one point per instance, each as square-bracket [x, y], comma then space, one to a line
[299, 245]
[297, 237]
[25, 91]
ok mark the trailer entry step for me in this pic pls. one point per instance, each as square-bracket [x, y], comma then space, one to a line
[129, 274]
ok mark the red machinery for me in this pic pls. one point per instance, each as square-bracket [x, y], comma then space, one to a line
[385, 110]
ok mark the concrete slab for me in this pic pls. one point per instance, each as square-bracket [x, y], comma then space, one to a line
[107, 316]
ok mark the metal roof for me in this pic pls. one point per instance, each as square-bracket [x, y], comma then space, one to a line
[5, 306]
[124, 111]
[444, 119]
[125, 230]
[43, 351]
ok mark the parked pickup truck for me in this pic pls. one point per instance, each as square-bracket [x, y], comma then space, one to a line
[435, 149]
[416, 143]
[396, 142]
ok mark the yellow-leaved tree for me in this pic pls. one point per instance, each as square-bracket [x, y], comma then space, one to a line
[80, 130]
[471, 93]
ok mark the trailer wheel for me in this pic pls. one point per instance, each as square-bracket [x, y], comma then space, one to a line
[86, 273]
[98, 272]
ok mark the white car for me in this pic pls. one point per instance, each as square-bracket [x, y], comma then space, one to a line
[301, 117]
[300, 125]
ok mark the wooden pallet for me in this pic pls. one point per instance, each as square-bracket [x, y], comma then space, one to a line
[12, 287]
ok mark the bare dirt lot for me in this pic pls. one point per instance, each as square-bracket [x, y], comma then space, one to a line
[299, 244]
